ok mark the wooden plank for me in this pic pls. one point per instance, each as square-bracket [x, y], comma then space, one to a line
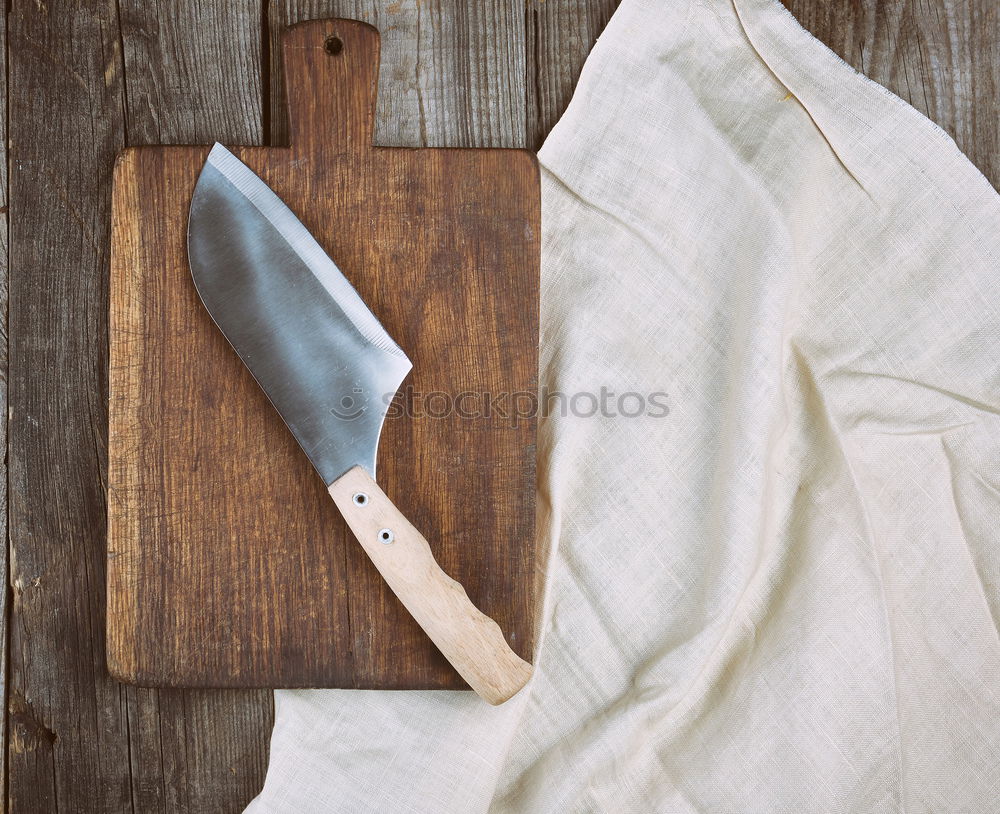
[193, 74]
[452, 74]
[559, 35]
[196, 750]
[228, 572]
[68, 746]
[4, 600]
[941, 56]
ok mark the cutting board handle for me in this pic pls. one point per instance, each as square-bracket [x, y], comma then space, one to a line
[331, 79]
[470, 640]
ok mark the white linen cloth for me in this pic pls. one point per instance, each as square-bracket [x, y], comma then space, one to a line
[783, 596]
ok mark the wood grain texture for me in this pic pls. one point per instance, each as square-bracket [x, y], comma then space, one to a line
[453, 74]
[228, 565]
[941, 56]
[199, 751]
[558, 36]
[193, 73]
[4, 598]
[67, 744]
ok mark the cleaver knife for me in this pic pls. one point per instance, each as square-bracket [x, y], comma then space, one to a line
[330, 369]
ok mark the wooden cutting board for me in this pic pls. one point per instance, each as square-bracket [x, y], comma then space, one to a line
[228, 564]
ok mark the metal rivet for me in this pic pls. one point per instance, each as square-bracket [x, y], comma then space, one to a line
[386, 536]
[360, 499]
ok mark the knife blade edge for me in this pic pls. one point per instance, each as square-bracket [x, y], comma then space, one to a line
[301, 241]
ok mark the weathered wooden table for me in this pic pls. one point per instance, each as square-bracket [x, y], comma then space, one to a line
[85, 79]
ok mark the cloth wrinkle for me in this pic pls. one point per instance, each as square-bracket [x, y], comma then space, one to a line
[870, 539]
[974, 403]
[801, 102]
[953, 463]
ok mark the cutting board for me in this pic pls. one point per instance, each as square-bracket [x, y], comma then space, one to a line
[228, 564]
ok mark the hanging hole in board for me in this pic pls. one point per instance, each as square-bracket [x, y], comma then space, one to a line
[334, 45]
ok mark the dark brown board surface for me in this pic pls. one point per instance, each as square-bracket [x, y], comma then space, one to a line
[228, 565]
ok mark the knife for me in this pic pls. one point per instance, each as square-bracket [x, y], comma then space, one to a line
[327, 365]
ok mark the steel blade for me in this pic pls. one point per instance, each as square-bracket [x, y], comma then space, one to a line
[321, 356]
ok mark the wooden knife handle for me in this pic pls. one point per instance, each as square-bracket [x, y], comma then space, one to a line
[470, 640]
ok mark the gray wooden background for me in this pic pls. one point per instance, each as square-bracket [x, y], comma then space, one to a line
[84, 79]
